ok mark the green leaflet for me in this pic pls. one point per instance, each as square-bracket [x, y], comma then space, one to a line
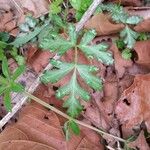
[88, 37]
[117, 12]
[7, 101]
[73, 86]
[2, 47]
[119, 15]
[55, 7]
[72, 103]
[97, 51]
[57, 43]
[4, 36]
[80, 6]
[129, 36]
[133, 20]
[71, 126]
[19, 41]
[5, 69]
[60, 44]
[86, 73]
[74, 127]
[56, 74]
[74, 92]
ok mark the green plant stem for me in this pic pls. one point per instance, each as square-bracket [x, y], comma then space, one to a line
[69, 118]
[76, 55]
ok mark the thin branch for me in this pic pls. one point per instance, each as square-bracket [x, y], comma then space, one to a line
[87, 14]
[69, 118]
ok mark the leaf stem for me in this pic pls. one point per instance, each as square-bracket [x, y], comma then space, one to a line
[70, 118]
[76, 55]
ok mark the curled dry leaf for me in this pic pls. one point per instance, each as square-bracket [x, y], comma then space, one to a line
[144, 26]
[140, 143]
[120, 63]
[103, 25]
[142, 48]
[133, 106]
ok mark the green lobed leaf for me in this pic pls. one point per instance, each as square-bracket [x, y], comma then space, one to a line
[73, 105]
[73, 86]
[88, 37]
[74, 127]
[56, 74]
[7, 101]
[117, 12]
[72, 34]
[59, 44]
[119, 15]
[86, 73]
[74, 92]
[99, 52]
[129, 36]
[133, 20]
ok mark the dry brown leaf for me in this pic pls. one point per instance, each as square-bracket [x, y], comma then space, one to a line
[142, 48]
[38, 131]
[12, 133]
[120, 63]
[134, 105]
[140, 143]
[143, 12]
[4, 19]
[102, 25]
[37, 62]
[46, 117]
[38, 7]
[23, 145]
[42, 126]
[144, 26]
[127, 2]
[131, 2]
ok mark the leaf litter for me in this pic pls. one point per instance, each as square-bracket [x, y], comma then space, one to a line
[121, 108]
